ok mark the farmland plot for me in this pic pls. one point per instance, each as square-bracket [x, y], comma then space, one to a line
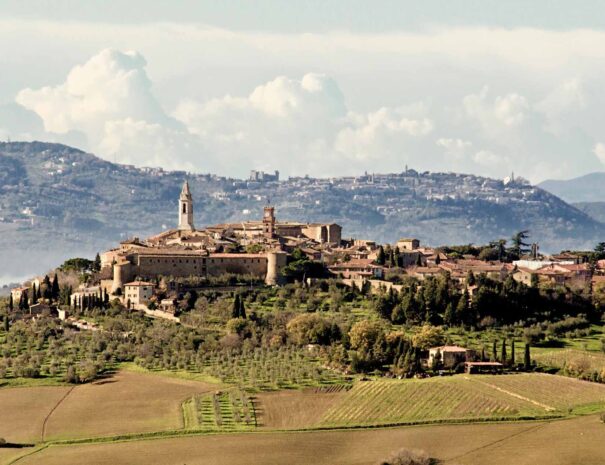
[461, 398]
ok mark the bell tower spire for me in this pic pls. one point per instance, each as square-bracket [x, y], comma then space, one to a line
[185, 208]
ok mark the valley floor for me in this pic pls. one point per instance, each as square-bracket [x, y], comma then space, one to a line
[575, 441]
[142, 418]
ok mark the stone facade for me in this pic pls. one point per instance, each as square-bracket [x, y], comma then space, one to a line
[138, 292]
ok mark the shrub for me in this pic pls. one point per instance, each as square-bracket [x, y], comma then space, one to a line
[407, 457]
[602, 416]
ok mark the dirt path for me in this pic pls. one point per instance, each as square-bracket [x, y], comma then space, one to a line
[493, 443]
[548, 408]
[52, 410]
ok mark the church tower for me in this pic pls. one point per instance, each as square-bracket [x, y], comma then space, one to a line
[185, 209]
[269, 222]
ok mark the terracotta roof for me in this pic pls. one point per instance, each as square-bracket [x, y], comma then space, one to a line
[449, 349]
[139, 283]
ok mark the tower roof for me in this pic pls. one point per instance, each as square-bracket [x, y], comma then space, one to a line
[185, 192]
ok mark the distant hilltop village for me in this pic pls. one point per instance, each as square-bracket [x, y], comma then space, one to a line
[257, 248]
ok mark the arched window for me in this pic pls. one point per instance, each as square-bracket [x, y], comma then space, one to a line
[184, 207]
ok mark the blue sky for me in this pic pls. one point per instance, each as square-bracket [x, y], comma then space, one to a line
[324, 88]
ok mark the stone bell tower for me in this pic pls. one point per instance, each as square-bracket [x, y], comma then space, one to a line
[185, 209]
[269, 222]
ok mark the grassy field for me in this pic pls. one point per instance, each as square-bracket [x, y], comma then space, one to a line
[296, 409]
[125, 403]
[576, 441]
[573, 361]
[24, 409]
[463, 398]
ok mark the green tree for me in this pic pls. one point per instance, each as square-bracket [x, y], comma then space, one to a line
[55, 290]
[519, 246]
[380, 257]
[46, 288]
[449, 317]
[470, 278]
[527, 358]
[512, 353]
[96, 264]
[310, 328]
[503, 356]
[236, 306]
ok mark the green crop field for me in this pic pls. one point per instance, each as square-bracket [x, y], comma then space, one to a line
[231, 410]
[575, 362]
[463, 398]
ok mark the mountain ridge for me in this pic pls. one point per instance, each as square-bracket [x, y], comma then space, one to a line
[587, 188]
[57, 202]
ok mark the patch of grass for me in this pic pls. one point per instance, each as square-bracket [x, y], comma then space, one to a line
[179, 374]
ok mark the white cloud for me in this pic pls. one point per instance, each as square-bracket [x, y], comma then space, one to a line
[599, 151]
[227, 112]
[503, 111]
[487, 158]
[454, 148]
[109, 100]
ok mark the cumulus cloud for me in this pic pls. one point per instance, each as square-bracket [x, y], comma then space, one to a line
[109, 101]
[599, 151]
[311, 123]
[503, 111]
[304, 123]
[454, 148]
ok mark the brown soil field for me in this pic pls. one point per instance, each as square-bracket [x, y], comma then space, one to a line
[6, 455]
[127, 402]
[23, 410]
[293, 409]
[576, 441]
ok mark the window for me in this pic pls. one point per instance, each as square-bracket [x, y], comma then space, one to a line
[184, 208]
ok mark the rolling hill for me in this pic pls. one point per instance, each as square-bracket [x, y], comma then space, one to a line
[588, 188]
[57, 202]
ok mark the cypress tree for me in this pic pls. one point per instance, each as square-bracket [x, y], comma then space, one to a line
[47, 288]
[11, 304]
[483, 359]
[236, 306]
[6, 324]
[503, 354]
[34, 298]
[462, 308]
[527, 358]
[494, 352]
[449, 317]
[380, 258]
[242, 308]
[55, 287]
[96, 266]
[512, 353]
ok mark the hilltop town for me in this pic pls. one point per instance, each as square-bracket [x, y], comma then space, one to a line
[150, 274]
[81, 204]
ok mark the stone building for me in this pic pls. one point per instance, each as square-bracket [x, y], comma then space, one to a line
[408, 244]
[138, 292]
[187, 252]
